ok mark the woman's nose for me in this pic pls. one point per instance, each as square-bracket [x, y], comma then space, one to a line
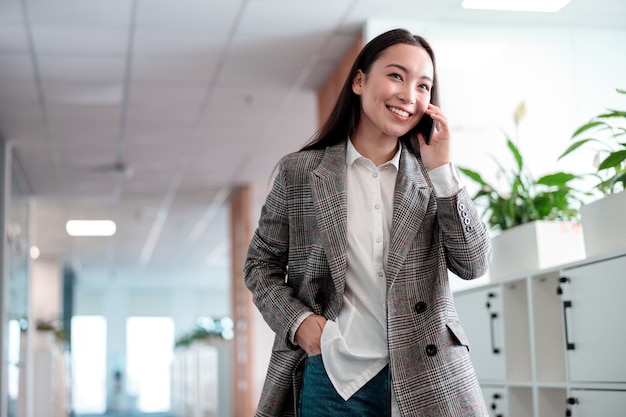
[408, 95]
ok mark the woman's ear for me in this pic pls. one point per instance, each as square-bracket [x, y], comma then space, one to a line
[357, 82]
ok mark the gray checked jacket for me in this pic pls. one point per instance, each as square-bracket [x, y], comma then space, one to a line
[297, 262]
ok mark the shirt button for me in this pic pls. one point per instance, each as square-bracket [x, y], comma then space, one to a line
[462, 206]
[380, 274]
[377, 206]
[378, 240]
[375, 175]
[420, 307]
[467, 220]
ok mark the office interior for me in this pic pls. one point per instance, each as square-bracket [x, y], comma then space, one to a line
[168, 117]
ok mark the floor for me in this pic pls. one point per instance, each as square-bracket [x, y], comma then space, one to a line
[136, 414]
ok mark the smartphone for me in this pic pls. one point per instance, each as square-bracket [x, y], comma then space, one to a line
[425, 127]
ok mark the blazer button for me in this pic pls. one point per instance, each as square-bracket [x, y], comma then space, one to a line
[431, 350]
[420, 307]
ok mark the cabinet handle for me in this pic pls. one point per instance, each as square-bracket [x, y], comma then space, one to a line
[492, 319]
[567, 304]
[562, 280]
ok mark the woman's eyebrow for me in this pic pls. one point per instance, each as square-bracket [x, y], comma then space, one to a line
[403, 68]
[398, 66]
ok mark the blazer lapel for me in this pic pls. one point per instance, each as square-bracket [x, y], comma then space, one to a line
[411, 198]
[329, 195]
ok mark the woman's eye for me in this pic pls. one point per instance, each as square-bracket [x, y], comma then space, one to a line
[424, 87]
[396, 76]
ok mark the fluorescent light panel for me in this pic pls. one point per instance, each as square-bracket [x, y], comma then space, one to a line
[90, 227]
[549, 6]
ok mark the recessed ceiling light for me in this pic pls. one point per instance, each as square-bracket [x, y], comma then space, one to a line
[90, 227]
[517, 5]
[34, 252]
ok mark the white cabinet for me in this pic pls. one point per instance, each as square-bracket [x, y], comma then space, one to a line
[597, 403]
[495, 398]
[593, 309]
[551, 343]
[485, 331]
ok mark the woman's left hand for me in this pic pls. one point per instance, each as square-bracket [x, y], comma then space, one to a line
[438, 152]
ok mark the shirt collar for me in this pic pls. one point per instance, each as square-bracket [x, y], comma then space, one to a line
[352, 155]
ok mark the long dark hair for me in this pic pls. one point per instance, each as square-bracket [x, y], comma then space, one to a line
[344, 118]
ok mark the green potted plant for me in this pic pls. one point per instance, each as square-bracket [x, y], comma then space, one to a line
[603, 220]
[533, 220]
[59, 334]
[550, 197]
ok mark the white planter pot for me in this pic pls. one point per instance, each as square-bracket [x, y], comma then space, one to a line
[535, 245]
[604, 223]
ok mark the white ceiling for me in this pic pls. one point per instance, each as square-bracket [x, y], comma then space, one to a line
[149, 111]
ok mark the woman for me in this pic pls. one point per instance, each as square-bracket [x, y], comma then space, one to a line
[349, 263]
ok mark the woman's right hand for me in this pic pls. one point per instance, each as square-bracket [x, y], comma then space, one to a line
[309, 334]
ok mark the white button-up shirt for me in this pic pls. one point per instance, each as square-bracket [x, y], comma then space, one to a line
[354, 346]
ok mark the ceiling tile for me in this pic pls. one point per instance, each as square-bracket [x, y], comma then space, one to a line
[167, 96]
[181, 117]
[11, 12]
[172, 70]
[196, 46]
[16, 67]
[18, 91]
[95, 116]
[288, 16]
[273, 46]
[13, 39]
[21, 114]
[255, 72]
[83, 133]
[79, 69]
[190, 15]
[106, 93]
[80, 40]
[80, 13]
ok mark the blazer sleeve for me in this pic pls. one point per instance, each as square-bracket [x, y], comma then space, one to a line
[265, 269]
[465, 236]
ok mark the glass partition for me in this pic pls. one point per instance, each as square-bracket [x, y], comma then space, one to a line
[17, 256]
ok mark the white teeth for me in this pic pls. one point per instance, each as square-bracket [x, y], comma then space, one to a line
[399, 112]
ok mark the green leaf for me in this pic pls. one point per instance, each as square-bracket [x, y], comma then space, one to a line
[574, 146]
[516, 154]
[586, 127]
[612, 113]
[475, 176]
[614, 159]
[558, 179]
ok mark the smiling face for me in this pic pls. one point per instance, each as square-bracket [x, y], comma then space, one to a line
[395, 92]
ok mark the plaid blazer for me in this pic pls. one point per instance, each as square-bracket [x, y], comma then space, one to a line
[297, 262]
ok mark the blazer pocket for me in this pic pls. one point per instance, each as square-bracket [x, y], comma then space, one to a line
[458, 333]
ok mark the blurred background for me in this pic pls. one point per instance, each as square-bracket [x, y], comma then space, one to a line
[167, 117]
